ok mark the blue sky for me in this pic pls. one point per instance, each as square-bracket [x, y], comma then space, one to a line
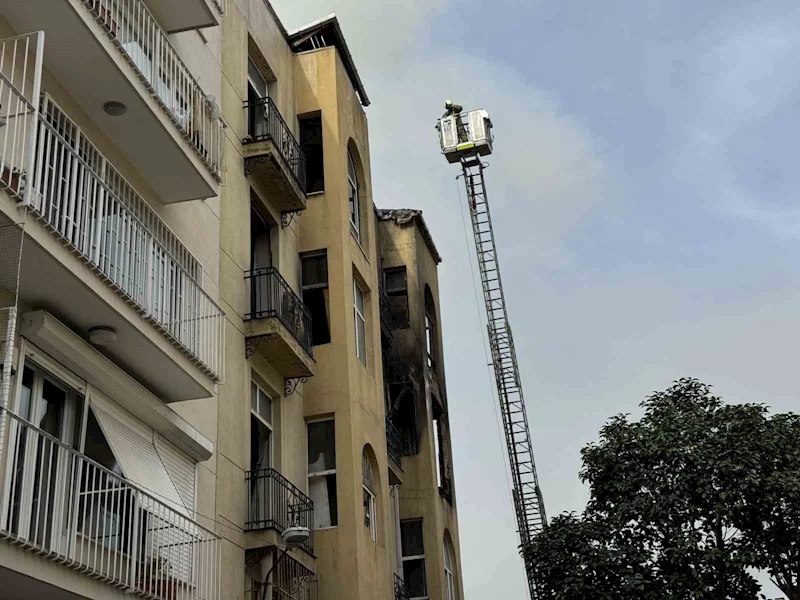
[644, 197]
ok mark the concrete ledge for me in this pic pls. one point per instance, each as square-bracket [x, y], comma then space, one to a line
[64, 345]
[263, 161]
[273, 340]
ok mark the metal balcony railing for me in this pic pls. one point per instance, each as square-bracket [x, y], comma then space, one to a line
[395, 443]
[147, 48]
[289, 581]
[20, 88]
[274, 503]
[61, 505]
[265, 122]
[271, 296]
[116, 233]
[400, 589]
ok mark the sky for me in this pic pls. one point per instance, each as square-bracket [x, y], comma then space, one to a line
[642, 192]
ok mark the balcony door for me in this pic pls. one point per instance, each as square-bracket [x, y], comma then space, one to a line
[41, 462]
[260, 455]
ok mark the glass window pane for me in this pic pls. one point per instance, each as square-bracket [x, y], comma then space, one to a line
[411, 538]
[361, 332]
[25, 393]
[265, 406]
[321, 446]
[414, 576]
[53, 401]
[322, 491]
[351, 167]
[256, 79]
[254, 396]
[260, 439]
[367, 509]
[359, 298]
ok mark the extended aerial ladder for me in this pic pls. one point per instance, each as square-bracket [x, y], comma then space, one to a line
[465, 138]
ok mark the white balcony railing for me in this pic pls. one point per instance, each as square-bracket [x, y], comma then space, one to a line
[60, 504]
[130, 24]
[20, 86]
[93, 210]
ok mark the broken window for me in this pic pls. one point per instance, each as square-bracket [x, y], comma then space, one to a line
[315, 295]
[430, 329]
[396, 287]
[413, 551]
[311, 143]
[322, 472]
[441, 449]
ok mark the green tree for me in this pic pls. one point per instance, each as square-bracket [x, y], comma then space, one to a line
[770, 516]
[678, 480]
[580, 558]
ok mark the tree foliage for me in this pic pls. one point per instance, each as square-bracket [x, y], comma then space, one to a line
[684, 503]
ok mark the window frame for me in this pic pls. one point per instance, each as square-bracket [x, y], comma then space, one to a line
[370, 510]
[324, 473]
[449, 571]
[254, 412]
[359, 315]
[312, 287]
[414, 557]
[353, 200]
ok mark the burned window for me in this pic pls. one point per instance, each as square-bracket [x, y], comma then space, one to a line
[413, 551]
[322, 473]
[396, 287]
[311, 143]
[315, 295]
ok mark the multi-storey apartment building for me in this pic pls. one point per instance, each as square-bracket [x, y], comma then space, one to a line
[196, 354]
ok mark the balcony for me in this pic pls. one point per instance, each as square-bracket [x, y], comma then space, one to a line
[169, 132]
[183, 15]
[62, 506]
[289, 581]
[278, 324]
[273, 156]
[400, 589]
[274, 503]
[47, 162]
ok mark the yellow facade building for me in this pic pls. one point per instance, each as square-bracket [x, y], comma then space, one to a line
[221, 370]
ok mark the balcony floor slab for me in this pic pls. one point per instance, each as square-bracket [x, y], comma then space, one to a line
[271, 338]
[94, 70]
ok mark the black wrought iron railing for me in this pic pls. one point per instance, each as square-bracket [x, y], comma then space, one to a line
[395, 444]
[400, 589]
[271, 296]
[273, 502]
[265, 122]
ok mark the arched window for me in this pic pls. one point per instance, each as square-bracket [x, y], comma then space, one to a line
[355, 208]
[449, 569]
[370, 517]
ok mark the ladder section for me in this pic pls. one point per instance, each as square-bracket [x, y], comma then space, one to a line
[528, 503]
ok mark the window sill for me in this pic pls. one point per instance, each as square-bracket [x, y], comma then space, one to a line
[358, 243]
[326, 528]
[319, 193]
